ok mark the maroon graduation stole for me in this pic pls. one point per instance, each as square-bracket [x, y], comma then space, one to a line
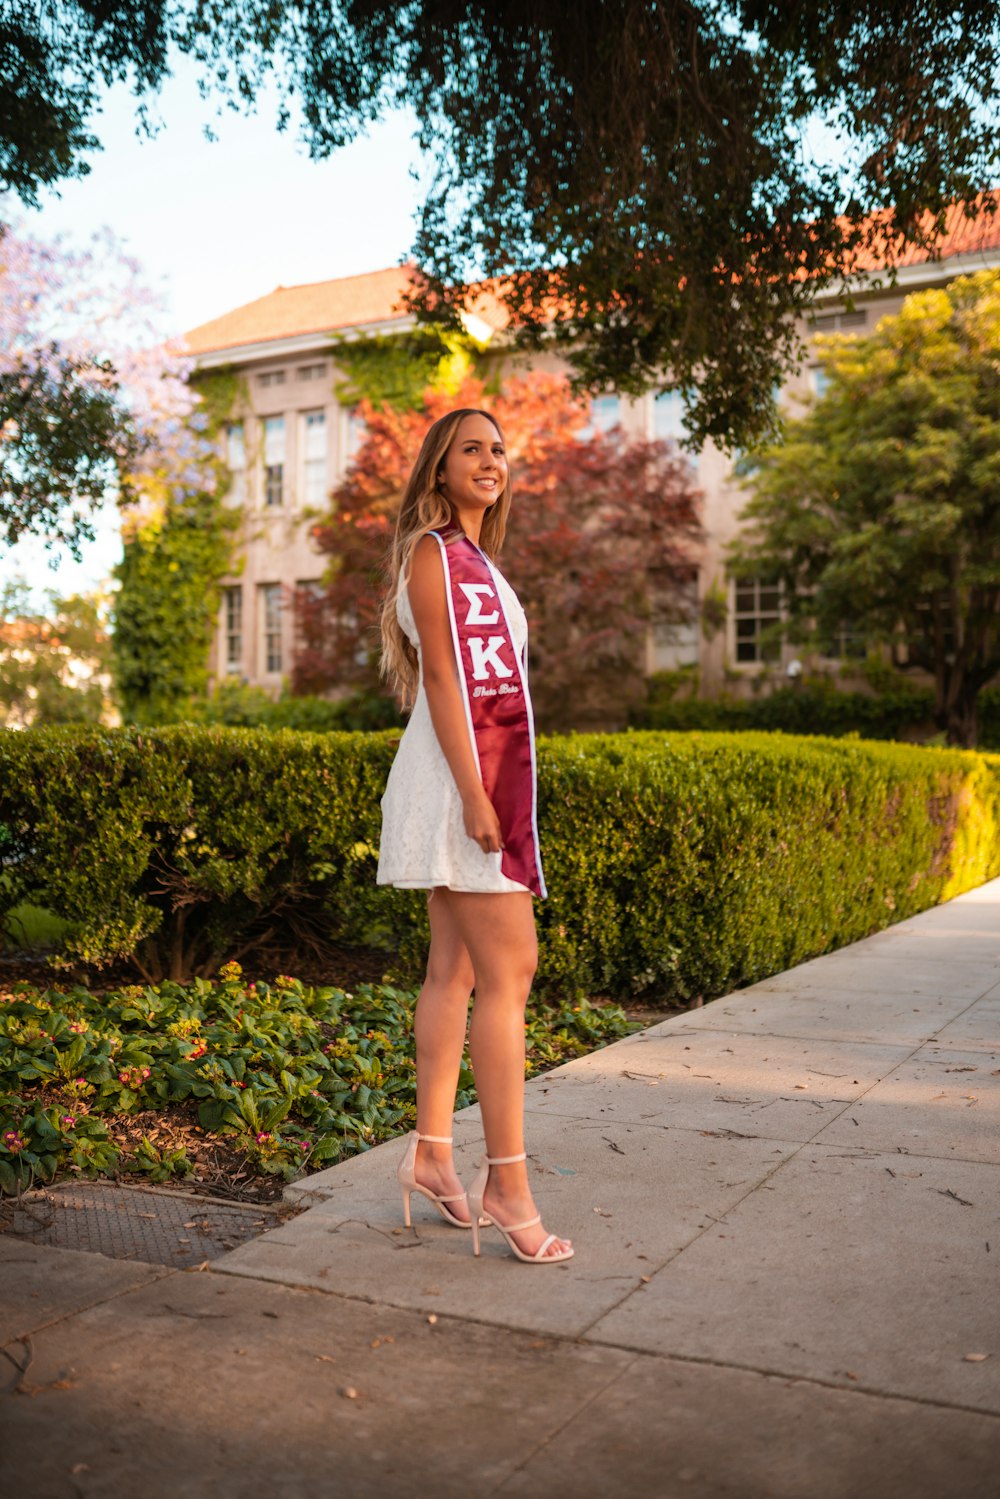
[494, 682]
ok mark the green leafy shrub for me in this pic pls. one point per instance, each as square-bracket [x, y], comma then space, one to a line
[177, 847]
[241, 705]
[807, 709]
[679, 864]
[295, 1077]
[693, 864]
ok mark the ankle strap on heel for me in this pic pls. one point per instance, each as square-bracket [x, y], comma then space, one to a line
[505, 1160]
[434, 1139]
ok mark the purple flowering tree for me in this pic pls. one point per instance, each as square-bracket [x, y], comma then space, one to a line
[93, 404]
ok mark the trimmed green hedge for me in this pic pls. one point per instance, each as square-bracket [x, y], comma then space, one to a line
[811, 710]
[242, 706]
[678, 864]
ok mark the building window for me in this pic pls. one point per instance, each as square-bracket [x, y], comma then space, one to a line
[757, 613]
[271, 377]
[271, 612]
[839, 322]
[677, 642]
[310, 372]
[819, 379]
[354, 433]
[846, 644]
[274, 460]
[605, 413]
[236, 461]
[668, 417]
[233, 603]
[313, 441]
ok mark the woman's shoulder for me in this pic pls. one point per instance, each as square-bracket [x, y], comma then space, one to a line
[425, 552]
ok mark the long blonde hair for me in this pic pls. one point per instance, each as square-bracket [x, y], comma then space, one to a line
[424, 508]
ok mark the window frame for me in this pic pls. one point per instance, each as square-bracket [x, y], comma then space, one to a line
[767, 647]
[272, 627]
[232, 628]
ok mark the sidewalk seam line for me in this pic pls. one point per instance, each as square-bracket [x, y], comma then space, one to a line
[77, 1311]
[558, 1430]
[581, 1339]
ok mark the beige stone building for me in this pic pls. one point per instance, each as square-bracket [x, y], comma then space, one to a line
[293, 441]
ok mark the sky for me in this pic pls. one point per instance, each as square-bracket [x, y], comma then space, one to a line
[215, 224]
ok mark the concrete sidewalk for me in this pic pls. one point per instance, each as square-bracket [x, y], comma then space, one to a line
[786, 1209]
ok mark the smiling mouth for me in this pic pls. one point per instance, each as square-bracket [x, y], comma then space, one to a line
[486, 483]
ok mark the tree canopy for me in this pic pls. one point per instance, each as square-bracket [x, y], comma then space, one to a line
[54, 665]
[880, 508]
[637, 179]
[93, 406]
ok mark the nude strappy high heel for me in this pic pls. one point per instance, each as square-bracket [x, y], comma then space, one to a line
[406, 1176]
[481, 1218]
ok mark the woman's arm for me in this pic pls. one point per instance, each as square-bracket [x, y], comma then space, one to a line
[429, 603]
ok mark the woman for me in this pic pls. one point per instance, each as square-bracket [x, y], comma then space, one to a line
[458, 819]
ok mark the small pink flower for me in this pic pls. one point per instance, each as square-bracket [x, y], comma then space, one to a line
[68, 1121]
[14, 1142]
[262, 1137]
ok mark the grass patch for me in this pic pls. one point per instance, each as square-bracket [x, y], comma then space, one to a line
[28, 928]
[255, 1081]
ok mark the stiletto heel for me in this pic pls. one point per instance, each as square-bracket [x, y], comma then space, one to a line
[406, 1176]
[479, 1216]
[475, 1199]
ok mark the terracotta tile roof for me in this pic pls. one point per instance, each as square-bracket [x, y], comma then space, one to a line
[961, 236]
[376, 297]
[317, 307]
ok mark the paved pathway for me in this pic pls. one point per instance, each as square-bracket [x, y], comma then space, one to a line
[786, 1208]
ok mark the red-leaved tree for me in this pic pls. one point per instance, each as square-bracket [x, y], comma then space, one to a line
[602, 546]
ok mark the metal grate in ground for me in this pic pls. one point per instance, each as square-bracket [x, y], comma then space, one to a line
[137, 1223]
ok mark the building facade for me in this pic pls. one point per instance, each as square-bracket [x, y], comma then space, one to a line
[291, 440]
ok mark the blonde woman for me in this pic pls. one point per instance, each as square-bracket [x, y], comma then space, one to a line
[459, 820]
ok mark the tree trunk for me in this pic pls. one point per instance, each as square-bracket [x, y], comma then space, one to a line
[961, 719]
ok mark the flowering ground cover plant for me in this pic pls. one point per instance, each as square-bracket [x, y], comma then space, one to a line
[292, 1077]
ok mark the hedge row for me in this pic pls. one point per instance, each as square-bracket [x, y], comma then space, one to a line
[906, 713]
[243, 706]
[678, 864]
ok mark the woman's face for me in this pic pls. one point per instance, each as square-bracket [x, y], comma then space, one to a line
[474, 471]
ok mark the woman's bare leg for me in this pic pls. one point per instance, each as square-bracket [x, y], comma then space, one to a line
[498, 933]
[439, 1028]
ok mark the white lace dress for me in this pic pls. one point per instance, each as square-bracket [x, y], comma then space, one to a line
[424, 842]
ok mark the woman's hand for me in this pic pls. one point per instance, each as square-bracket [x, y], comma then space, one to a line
[481, 821]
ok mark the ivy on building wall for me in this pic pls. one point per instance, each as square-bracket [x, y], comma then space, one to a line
[177, 549]
[397, 369]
